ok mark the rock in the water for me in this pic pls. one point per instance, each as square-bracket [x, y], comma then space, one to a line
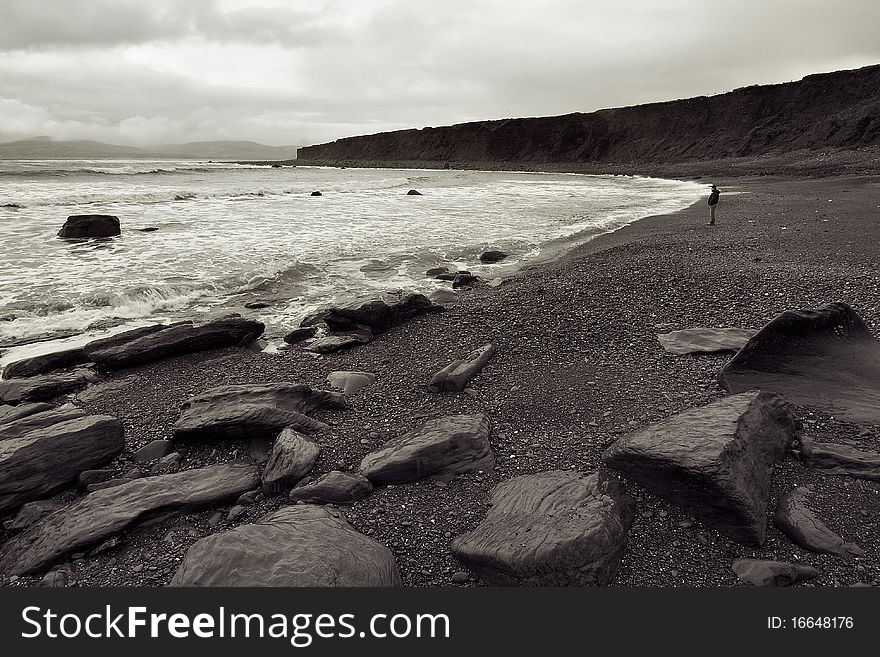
[48, 458]
[704, 340]
[717, 460]
[449, 276]
[796, 519]
[148, 229]
[556, 528]
[455, 376]
[257, 305]
[177, 340]
[12, 413]
[31, 513]
[332, 343]
[841, 460]
[413, 192]
[297, 546]
[293, 456]
[443, 447]
[492, 256]
[80, 226]
[251, 411]
[825, 359]
[44, 363]
[378, 314]
[333, 488]
[153, 450]
[463, 280]
[772, 573]
[105, 513]
[299, 334]
[350, 382]
[436, 271]
[316, 193]
[44, 386]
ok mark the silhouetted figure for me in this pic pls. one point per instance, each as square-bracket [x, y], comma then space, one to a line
[713, 201]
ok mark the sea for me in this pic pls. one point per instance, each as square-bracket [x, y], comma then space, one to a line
[224, 235]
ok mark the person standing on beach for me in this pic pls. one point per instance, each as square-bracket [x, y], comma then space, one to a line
[713, 201]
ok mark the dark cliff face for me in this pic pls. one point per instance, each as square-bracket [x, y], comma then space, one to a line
[832, 110]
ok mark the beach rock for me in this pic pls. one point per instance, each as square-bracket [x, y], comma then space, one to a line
[39, 421]
[316, 193]
[31, 513]
[463, 280]
[333, 343]
[293, 457]
[704, 340]
[177, 340]
[148, 229]
[772, 573]
[44, 386]
[455, 376]
[556, 528]
[450, 275]
[100, 515]
[443, 296]
[378, 314]
[443, 447]
[436, 271]
[12, 413]
[46, 459]
[413, 192]
[54, 579]
[796, 519]
[299, 334]
[44, 363]
[350, 382]
[297, 546]
[124, 337]
[335, 487]
[825, 359]
[80, 226]
[492, 256]
[716, 461]
[153, 450]
[257, 305]
[840, 459]
[88, 477]
[252, 411]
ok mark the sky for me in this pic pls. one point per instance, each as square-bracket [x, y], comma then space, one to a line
[298, 72]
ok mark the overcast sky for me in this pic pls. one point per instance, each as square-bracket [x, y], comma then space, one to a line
[307, 71]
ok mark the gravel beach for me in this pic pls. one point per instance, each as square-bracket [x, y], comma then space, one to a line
[577, 365]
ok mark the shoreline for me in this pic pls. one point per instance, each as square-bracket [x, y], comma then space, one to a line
[577, 366]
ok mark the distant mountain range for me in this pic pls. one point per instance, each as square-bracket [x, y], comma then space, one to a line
[44, 148]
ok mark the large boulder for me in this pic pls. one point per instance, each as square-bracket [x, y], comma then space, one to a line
[253, 411]
[717, 460]
[81, 226]
[176, 340]
[293, 456]
[333, 488]
[761, 572]
[46, 458]
[442, 448]
[487, 257]
[704, 340]
[297, 546]
[796, 519]
[124, 337]
[825, 359]
[455, 376]
[38, 421]
[556, 528]
[841, 459]
[44, 386]
[378, 314]
[105, 513]
[10, 413]
[44, 363]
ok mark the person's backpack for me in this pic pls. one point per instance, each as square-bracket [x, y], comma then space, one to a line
[713, 197]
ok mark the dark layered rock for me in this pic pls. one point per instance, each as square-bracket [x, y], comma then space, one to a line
[153, 450]
[443, 296]
[433, 272]
[297, 546]
[252, 411]
[46, 459]
[492, 256]
[556, 528]
[716, 461]
[825, 359]
[455, 376]
[124, 337]
[300, 334]
[413, 192]
[44, 386]
[703, 340]
[443, 448]
[332, 343]
[178, 340]
[44, 363]
[100, 515]
[293, 457]
[81, 226]
[316, 193]
[39, 421]
[840, 459]
[31, 513]
[449, 276]
[796, 519]
[350, 382]
[378, 314]
[12, 413]
[761, 572]
[463, 280]
[335, 487]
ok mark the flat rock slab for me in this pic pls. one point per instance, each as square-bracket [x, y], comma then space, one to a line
[350, 382]
[292, 458]
[42, 420]
[39, 462]
[333, 488]
[442, 447]
[298, 546]
[455, 376]
[825, 359]
[153, 450]
[298, 335]
[717, 460]
[44, 386]
[378, 313]
[105, 513]
[10, 413]
[556, 528]
[703, 340]
[31, 513]
[124, 337]
[44, 363]
[253, 411]
[796, 519]
[761, 572]
[177, 340]
[332, 343]
[840, 459]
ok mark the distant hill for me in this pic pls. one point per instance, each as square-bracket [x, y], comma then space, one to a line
[43, 148]
[838, 110]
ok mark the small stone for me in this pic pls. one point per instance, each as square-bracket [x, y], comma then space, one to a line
[235, 513]
[55, 579]
[215, 519]
[460, 577]
[687, 523]
[248, 498]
